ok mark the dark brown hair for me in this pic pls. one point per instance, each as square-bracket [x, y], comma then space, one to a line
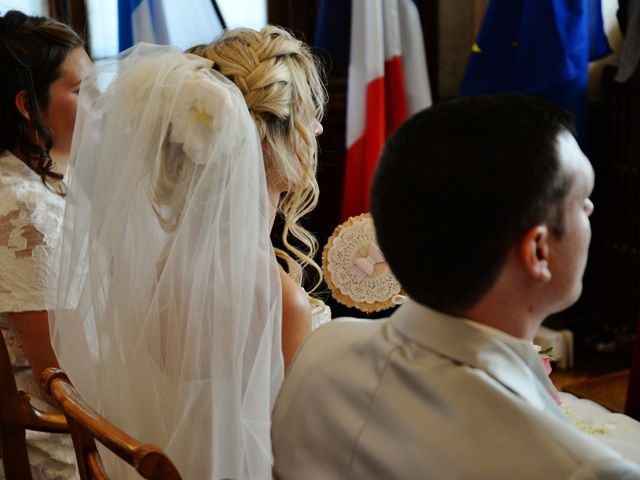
[32, 50]
[458, 184]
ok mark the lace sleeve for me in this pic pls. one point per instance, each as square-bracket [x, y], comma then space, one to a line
[30, 218]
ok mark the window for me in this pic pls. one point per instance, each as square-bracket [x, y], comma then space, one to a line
[30, 7]
[103, 27]
[244, 13]
[189, 21]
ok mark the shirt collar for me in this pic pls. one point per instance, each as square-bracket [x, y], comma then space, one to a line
[511, 361]
[490, 330]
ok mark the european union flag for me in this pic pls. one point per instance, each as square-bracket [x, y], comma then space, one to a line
[538, 47]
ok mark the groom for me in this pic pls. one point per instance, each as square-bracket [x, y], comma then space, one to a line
[481, 207]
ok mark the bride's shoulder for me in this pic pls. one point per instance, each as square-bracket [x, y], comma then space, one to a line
[295, 300]
[296, 317]
[297, 303]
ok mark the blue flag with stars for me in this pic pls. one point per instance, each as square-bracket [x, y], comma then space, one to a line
[541, 48]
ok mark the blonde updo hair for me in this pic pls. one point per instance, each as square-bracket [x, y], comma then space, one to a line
[283, 87]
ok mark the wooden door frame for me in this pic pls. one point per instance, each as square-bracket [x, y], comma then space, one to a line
[74, 14]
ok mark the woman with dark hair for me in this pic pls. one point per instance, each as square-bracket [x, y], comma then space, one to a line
[42, 63]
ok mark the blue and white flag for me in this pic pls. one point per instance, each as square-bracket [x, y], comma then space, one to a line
[183, 24]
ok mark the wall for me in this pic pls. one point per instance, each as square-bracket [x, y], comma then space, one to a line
[459, 22]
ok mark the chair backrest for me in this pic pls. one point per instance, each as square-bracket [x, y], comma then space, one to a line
[16, 415]
[87, 426]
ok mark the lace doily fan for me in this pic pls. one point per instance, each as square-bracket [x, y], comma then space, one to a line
[355, 270]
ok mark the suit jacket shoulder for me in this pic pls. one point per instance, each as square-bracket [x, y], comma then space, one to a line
[364, 399]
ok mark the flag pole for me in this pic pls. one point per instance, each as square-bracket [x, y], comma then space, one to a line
[216, 7]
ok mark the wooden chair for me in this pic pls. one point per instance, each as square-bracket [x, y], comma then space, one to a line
[632, 406]
[16, 415]
[86, 426]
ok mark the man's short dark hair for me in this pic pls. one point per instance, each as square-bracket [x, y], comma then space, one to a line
[458, 184]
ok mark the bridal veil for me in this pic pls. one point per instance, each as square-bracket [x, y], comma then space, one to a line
[169, 303]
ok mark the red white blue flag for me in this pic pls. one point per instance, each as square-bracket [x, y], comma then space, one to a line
[387, 82]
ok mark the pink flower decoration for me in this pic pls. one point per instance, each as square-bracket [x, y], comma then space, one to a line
[546, 364]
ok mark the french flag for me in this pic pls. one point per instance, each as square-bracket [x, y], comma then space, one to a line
[166, 22]
[387, 82]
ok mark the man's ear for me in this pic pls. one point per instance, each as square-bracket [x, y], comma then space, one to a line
[534, 252]
[22, 103]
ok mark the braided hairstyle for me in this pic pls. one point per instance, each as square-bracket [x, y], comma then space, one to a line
[32, 50]
[283, 87]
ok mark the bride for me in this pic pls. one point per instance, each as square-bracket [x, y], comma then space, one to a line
[170, 298]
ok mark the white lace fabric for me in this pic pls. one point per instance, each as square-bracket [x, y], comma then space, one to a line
[373, 291]
[320, 314]
[30, 219]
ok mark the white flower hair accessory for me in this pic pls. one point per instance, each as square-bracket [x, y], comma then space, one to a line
[196, 118]
[197, 109]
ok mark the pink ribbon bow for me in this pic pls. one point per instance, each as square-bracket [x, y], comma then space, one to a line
[363, 267]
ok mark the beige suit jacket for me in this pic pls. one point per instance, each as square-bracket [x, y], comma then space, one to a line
[424, 395]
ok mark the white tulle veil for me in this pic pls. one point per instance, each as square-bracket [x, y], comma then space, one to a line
[169, 303]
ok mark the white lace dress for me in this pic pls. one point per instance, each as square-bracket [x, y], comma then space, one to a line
[30, 219]
[320, 314]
